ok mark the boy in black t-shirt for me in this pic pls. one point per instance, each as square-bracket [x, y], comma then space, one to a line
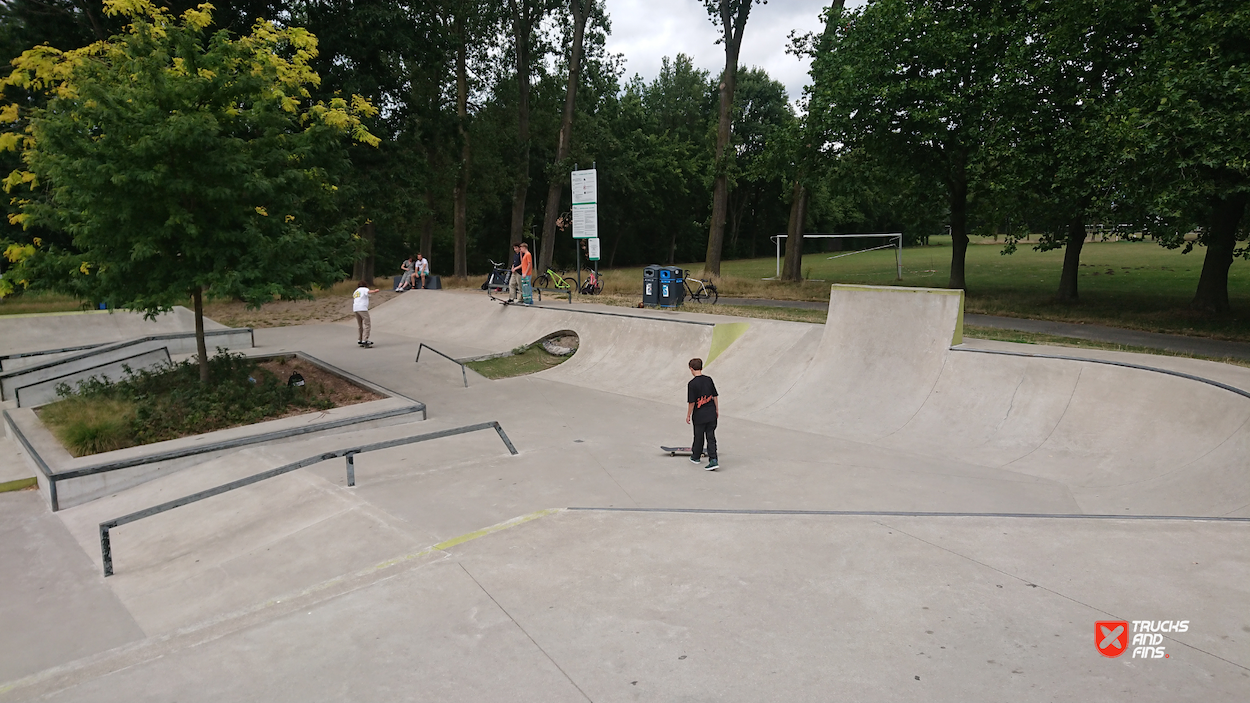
[702, 410]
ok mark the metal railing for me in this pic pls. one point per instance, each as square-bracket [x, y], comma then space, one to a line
[106, 551]
[463, 374]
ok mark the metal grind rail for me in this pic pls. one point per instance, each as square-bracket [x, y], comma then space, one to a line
[463, 374]
[106, 551]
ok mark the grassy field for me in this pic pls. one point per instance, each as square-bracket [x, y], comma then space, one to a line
[1137, 285]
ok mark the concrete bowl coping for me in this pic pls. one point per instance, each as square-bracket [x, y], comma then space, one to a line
[65, 480]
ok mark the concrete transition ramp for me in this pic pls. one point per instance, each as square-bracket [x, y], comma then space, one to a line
[27, 333]
[889, 368]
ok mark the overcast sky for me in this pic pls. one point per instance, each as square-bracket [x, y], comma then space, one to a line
[646, 31]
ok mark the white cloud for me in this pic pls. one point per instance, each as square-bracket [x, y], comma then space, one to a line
[646, 31]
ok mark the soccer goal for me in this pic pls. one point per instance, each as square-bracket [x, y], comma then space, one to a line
[893, 240]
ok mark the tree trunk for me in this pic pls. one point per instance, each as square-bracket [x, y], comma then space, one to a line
[1068, 292]
[792, 268]
[460, 199]
[427, 226]
[522, 24]
[565, 141]
[364, 269]
[959, 231]
[732, 37]
[201, 347]
[1226, 213]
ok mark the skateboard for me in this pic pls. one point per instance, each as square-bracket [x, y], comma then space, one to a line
[674, 451]
[527, 291]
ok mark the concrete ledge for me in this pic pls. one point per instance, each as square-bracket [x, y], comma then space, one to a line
[43, 392]
[66, 480]
[34, 367]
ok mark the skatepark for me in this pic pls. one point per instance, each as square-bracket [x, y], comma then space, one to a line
[900, 514]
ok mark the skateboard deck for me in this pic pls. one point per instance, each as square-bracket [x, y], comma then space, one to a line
[527, 291]
[674, 451]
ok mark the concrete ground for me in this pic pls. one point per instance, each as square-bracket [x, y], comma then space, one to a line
[592, 566]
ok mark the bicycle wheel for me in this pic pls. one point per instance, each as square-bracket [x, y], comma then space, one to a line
[595, 288]
[713, 294]
[543, 281]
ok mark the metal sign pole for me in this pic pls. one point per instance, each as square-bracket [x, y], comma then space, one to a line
[898, 257]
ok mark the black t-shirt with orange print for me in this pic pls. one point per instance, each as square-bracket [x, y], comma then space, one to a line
[701, 391]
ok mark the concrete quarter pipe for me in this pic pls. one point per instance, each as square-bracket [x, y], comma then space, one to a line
[888, 368]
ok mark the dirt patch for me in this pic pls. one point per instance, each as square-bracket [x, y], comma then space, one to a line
[330, 386]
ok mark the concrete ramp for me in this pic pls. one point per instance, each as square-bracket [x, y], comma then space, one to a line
[888, 368]
[881, 355]
[28, 333]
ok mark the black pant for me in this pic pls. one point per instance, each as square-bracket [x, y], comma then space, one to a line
[702, 429]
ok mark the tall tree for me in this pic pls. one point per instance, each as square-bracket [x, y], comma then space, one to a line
[918, 85]
[206, 167]
[526, 15]
[731, 17]
[1189, 131]
[1063, 156]
[580, 11]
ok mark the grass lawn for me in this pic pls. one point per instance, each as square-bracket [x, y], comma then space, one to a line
[40, 303]
[1137, 285]
[531, 360]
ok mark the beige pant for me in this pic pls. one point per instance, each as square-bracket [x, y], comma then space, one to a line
[363, 324]
[514, 286]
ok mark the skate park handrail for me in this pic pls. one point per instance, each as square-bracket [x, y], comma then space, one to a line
[463, 374]
[349, 453]
[55, 477]
[1109, 362]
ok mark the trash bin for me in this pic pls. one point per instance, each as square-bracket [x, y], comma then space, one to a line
[650, 285]
[672, 289]
[433, 283]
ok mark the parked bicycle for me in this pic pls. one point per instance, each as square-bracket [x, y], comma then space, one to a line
[498, 277]
[593, 285]
[551, 279]
[700, 291]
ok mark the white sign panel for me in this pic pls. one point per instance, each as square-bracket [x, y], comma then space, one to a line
[593, 248]
[585, 221]
[585, 187]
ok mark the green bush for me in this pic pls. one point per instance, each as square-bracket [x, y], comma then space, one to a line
[169, 402]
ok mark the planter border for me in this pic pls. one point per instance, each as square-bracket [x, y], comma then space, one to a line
[53, 477]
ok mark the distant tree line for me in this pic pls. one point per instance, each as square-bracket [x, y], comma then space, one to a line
[973, 117]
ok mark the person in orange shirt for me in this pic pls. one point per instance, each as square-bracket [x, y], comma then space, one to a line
[527, 269]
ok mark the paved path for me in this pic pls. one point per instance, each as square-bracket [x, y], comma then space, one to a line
[1180, 344]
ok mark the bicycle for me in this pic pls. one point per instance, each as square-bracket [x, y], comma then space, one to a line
[706, 290]
[593, 285]
[551, 279]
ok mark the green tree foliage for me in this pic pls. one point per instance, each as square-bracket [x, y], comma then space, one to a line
[1188, 129]
[918, 86]
[180, 160]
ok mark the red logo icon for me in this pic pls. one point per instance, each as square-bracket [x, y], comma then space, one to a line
[1111, 637]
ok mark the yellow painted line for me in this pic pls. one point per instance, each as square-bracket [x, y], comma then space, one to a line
[467, 537]
[495, 528]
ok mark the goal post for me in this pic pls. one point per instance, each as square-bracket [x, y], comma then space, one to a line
[894, 240]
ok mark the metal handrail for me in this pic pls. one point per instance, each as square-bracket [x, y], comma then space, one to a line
[106, 550]
[463, 374]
